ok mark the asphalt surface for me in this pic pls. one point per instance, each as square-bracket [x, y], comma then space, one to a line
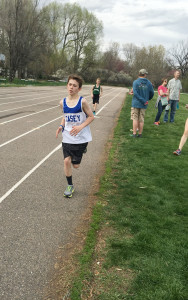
[35, 218]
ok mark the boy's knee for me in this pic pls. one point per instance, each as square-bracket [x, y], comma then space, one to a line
[76, 166]
[67, 161]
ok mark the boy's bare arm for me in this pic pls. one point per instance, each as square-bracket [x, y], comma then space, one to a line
[101, 91]
[92, 91]
[61, 126]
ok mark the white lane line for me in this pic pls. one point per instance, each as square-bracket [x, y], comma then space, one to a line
[28, 105]
[51, 95]
[29, 173]
[58, 93]
[39, 164]
[16, 138]
[108, 103]
[24, 95]
[32, 130]
[38, 112]
[60, 97]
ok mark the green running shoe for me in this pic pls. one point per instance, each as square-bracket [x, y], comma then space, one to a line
[69, 191]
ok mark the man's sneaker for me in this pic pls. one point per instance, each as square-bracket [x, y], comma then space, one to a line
[94, 113]
[177, 152]
[139, 135]
[69, 191]
[156, 123]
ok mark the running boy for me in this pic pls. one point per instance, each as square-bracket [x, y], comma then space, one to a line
[75, 130]
[96, 93]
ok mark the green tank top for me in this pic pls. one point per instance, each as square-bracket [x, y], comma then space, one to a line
[96, 90]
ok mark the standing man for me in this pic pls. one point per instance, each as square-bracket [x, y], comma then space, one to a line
[174, 86]
[142, 92]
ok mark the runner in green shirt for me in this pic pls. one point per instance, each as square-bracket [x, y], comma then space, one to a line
[96, 92]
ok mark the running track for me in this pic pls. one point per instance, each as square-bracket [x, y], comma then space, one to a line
[35, 218]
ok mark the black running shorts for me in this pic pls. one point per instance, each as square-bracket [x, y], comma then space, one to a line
[95, 99]
[75, 151]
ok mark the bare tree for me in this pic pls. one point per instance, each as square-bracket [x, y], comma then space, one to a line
[152, 58]
[72, 30]
[178, 57]
[24, 35]
[87, 30]
[60, 21]
[111, 58]
[129, 52]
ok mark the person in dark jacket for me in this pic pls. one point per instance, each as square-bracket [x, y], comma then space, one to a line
[142, 92]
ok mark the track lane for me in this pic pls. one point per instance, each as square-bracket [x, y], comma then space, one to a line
[35, 218]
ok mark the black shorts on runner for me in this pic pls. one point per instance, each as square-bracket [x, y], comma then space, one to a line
[75, 151]
[95, 99]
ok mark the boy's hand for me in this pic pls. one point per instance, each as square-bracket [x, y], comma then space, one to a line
[58, 131]
[146, 103]
[75, 130]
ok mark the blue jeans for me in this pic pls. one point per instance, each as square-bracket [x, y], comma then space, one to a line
[160, 110]
[173, 104]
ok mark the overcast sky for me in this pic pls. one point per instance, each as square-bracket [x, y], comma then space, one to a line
[141, 22]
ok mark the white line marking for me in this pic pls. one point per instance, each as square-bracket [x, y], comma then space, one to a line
[34, 113]
[40, 163]
[28, 105]
[107, 103]
[38, 112]
[30, 131]
[30, 99]
[29, 173]
[16, 138]
[60, 98]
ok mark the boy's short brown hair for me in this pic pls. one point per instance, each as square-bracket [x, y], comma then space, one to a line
[77, 78]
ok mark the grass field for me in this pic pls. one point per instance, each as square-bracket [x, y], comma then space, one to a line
[29, 82]
[137, 246]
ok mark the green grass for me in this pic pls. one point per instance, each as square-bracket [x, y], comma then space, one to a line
[145, 192]
[21, 83]
[85, 258]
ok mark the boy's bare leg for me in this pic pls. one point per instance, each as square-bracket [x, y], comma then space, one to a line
[184, 136]
[67, 166]
[75, 166]
[135, 126]
[140, 127]
[95, 106]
